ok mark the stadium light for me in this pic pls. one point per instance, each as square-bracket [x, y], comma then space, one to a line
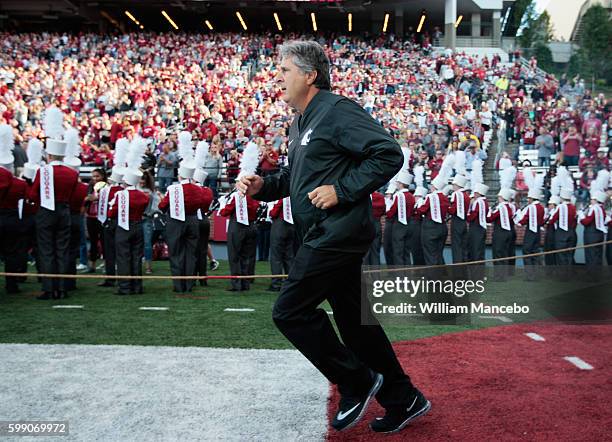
[131, 17]
[278, 24]
[208, 25]
[421, 23]
[244, 26]
[458, 21]
[169, 20]
[350, 22]
[314, 21]
[386, 23]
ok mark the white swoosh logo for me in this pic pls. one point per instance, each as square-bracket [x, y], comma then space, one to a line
[342, 415]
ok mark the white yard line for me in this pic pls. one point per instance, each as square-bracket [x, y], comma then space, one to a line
[239, 310]
[154, 308]
[578, 362]
[131, 392]
[535, 337]
[67, 306]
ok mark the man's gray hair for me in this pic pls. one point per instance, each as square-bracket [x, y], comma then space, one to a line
[309, 56]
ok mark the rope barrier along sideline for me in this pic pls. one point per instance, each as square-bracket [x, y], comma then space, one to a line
[223, 277]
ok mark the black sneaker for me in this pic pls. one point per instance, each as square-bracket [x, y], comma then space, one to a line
[352, 408]
[397, 418]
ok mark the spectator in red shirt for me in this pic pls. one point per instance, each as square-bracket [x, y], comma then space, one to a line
[571, 146]
[269, 161]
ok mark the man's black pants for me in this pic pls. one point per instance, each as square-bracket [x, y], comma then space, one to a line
[73, 249]
[336, 277]
[129, 247]
[433, 238]
[53, 238]
[110, 250]
[202, 249]
[531, 244]
[459, 239]
[10, 233]
[282, 236]
[182, 238]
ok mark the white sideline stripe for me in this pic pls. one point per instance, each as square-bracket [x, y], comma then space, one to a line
[67, 306]
[535, 336]
[153, 308]
[578, 362]
[239, 310]
[198, 393]
[499, 318]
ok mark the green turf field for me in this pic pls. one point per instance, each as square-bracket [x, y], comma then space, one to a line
[196, 319]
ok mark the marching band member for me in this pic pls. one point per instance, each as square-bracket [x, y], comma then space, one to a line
[433, 227]
[106, 195]
[282, 237]
[378, 210]
[12, 190]
[52, 189]
[72, 160]
[401, 214]
[459, 205]
[477, 219]
[388, 230]
[549, 233]
[532, 216]
[564, 221]
[502, 219]
[127, 208]
[241, 232]
[595, 227]
[182, 202]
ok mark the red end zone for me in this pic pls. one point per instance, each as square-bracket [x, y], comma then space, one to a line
[497, 383]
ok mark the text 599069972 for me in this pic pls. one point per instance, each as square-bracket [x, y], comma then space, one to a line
[33, 428]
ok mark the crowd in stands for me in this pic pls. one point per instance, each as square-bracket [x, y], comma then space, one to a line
[222, 89]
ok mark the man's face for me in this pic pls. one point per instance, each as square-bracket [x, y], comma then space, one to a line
[293, 82]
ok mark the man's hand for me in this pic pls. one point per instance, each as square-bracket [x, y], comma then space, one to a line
[249, 184]
[324, 197]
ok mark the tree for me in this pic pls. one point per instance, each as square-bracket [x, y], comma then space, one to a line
[516, 16]
[536, 29]
[544, 56]
[595, 43]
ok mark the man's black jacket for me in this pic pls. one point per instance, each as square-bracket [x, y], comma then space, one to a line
[335, 142]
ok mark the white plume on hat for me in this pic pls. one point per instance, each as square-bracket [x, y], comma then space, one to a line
[73, 147]
[534, 181]
[201, 153]
[407, 155]
[7, 144]
[136, 152]
[34, 151]
[446, 170]
[419, 175]
[504, 163]
[185, 146]
[35, 154]
[135, 157]
[122, 146]
[250, 160]
[507, 176]
[460, 162]
[476, 177]
[53, 121]
[565, 178]
[601, 182]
